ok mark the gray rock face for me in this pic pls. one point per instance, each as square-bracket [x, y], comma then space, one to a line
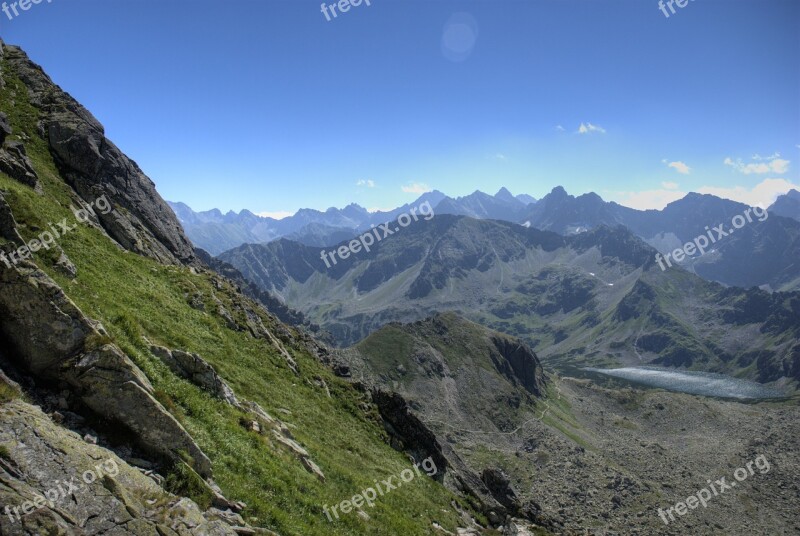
[15, 163]
[410, 434]
[94, 167]
[8, 226]
[198, 371]
[101, 493]
[38, 319]
[519, 364]
[5, 128]
[500, 487]
[65, 266]
[54, 340]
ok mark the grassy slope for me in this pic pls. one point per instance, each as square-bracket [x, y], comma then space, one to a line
[134, 296]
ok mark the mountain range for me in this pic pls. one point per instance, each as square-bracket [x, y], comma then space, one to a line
[787, 205]
[595, 298]
[738, 259]
[216, 232]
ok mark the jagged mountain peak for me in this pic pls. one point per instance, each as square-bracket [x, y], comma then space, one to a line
[504, 195]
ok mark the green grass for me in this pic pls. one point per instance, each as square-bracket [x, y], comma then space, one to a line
[393, 346]
[134, 296]
[182, 480]
[8, 393]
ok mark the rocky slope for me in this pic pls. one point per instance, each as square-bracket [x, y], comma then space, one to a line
[581, 457]
[118, 342]
[455, 371]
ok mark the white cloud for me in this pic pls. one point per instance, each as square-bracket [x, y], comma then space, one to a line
[680, 167]
[650, 199]
[277, 215]
[562, 129]
[369, 183]
[500, 156]
[762, 194]
[760, 165]
[587, 128]
[417, 188]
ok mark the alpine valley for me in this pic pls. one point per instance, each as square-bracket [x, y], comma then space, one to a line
[239, 386]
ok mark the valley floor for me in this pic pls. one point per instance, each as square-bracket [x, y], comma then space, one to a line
[604, 462]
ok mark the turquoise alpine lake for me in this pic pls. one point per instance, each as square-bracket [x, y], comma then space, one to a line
[692, 382]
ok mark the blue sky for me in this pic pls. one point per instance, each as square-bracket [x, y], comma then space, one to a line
[266, 105]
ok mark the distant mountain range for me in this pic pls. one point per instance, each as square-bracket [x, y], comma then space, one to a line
[761, 253]
[596, 298]
[787, 205]
[216, 232]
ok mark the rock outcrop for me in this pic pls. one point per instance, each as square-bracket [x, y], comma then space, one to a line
[53, 340]
[198, 371]
[95, 167]
[411, 435]
[15, 163]
[54, 482]
[519, 364]
[5, 128]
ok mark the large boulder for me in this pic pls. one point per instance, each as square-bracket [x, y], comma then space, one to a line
[197, 370]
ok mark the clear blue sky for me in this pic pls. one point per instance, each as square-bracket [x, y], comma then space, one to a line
[268, 106]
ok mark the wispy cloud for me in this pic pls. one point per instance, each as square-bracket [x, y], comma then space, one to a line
[759, 165]
[500, 156]
[650, 199]
[680, 167]
[562, 129]
[772, 157]
[762, 194]
[416, 188]
[369, 183]
[588, 128]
